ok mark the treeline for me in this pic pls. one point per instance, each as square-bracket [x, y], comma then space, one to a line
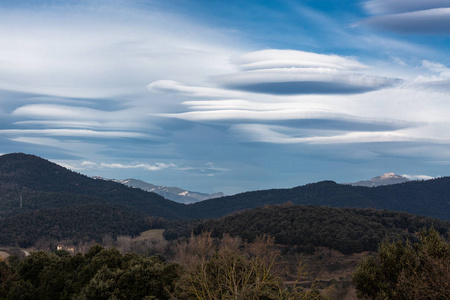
[429, 198]
[99, 274]
[25, 173]
[205, 269]
[84, 223]
[208, 268]
[347, 230]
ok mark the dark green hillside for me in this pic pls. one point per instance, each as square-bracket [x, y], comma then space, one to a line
[80, 223]
[348, 230]
[41, 183]
[327, 193]
[36, 200]
[428, 198]
[22, 172]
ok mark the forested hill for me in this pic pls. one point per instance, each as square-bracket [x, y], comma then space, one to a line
[347, 230]
[429, 198]
[27, 176]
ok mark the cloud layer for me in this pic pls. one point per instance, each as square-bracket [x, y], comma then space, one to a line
[288, 72]
[406, 16]
[157, 91]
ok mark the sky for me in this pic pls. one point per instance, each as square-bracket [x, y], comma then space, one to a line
[228, 96]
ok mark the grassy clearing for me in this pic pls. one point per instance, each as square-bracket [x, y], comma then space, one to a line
[151, 235]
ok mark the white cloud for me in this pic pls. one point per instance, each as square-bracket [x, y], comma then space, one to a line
[289, 72]
[57, 116]
[208, 170]
[73, 133]
[286, 135]
[439, 68]
[437, 78]
[104, 52]
[144, 166]
[171, 86]
[275, 58]
[68, 166]
[88, 164]
[53, 111]
[418, 177]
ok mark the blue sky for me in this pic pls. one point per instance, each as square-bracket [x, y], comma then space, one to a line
[228, 95]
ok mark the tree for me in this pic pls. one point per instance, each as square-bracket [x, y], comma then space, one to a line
[406, 270]
[232, 269]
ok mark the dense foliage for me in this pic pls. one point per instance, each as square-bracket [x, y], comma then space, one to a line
[429, 198]
[21, 173]
[206, 269]
[347, 230]
[99, 274]
[79, 223]
[26, 201]
[407, 271]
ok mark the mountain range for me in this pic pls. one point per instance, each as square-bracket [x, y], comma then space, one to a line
[23, 174]
[385, 179]
[172, 193]
[37, 193]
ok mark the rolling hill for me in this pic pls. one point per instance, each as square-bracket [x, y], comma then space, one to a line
[23, 174]
[36, 189]
[348, 230]
[428, 198]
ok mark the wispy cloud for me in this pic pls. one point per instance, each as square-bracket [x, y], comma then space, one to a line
[415, 16]
[208, 169]
[73, 133]
[104, 51]
[418, 177]
[285, 135]
[402, 6]
[144, 166]
[170, 86]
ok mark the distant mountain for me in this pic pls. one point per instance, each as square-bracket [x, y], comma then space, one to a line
[172, 193]
[39, 198]
[427, 198]
[385, 179]
[26, 175]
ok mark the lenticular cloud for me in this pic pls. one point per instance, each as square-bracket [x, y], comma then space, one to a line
[410, 16]
[288, 72]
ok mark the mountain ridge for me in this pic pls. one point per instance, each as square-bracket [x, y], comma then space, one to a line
[171, 193]
[24, 172]
[31, 173]
[385, 179]
[33, 190]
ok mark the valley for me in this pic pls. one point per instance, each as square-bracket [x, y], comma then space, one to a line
[327, 227]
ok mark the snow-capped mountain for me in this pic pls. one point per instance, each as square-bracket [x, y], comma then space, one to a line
[172, 193]
[385, 179]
